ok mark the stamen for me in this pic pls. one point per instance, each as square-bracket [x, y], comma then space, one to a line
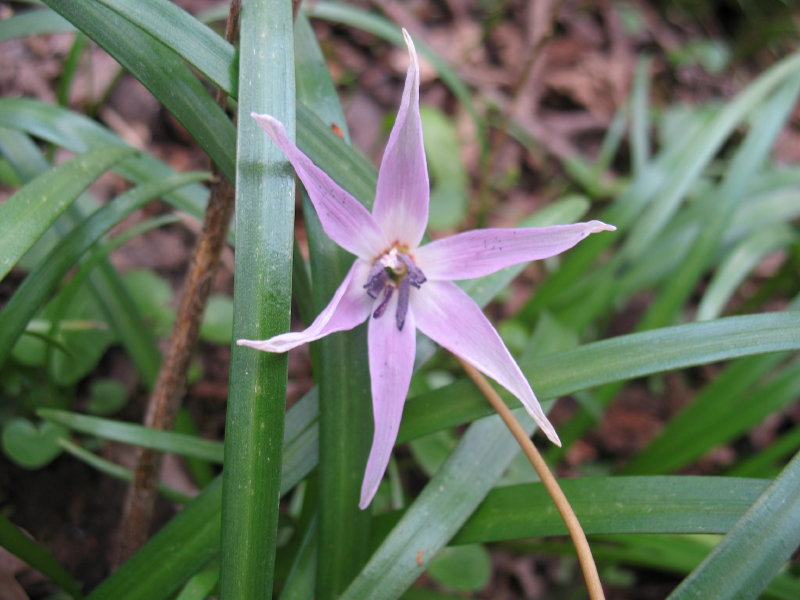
[387, 294]
[415, 275]
[404, 289]
[377, 280]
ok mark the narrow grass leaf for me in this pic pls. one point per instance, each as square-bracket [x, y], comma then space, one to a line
[738, 266]
[679, 504]
[117, 471]
[33, 22]
[160, 71]
[35, 289]
[185, 35]
[138, 435]
[615, 359]
[26, 215]
[79, 133]
[750, 555]
[262, 302]
[27, 550]
[339, 365]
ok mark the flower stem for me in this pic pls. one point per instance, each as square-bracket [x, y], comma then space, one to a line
[548, 479]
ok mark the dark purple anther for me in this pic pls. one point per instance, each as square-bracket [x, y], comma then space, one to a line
[387, 294]
[377, 280]
[415, 276]
[403, 289]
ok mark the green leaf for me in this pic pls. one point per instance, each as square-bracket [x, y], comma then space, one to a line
[33, 291]
[164, 441]
[679, 504]
[439, 510]
[338, 362]
[160, 71]
[738, 266]
[31, 446]
[26, 215]
[465, 568]
[758, 545]
[153, 295]
[262, 303]
[27, 550]
[106, 396]
[615, 359]
[33, 22]
[217, 324]
[185, 35]
[448, 205]
[79, 133]
[115, 470]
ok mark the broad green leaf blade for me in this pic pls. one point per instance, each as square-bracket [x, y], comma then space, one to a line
[27, 550]
[138, 435]
[439, 511]
[121, 313]
[33, 22]
[339, 365]
[79, 133]
[185, 35]
[615, 359]
[679, 504]
[160, 71]
[262, 303]
[33, 292]
[748, 557]
[26, 215]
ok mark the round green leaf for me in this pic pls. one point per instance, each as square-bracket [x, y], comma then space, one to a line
[217, 325]
[31, 446]
[461, 567]
[106, 396]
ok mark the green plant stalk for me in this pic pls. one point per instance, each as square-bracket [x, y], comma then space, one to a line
[262, 299]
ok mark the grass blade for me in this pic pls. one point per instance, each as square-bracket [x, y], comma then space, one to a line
[26, 215]
[679, 504]
[615, 359]
[24, 548]
[138, 435]
[262, 297]
[748, 557]
[160, 71]
[33, 292]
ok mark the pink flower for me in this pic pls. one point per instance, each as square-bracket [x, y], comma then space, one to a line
[400, 286]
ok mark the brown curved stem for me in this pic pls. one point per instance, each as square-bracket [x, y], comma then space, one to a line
[548, 480]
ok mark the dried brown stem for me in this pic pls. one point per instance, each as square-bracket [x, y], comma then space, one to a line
[171, 382]
[548, 480]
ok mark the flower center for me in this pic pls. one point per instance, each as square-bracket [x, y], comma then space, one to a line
[393, 270]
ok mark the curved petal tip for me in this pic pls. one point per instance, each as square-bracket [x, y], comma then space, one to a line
[600, 226]
[268, 123]
[263, 345]
[412, 51]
